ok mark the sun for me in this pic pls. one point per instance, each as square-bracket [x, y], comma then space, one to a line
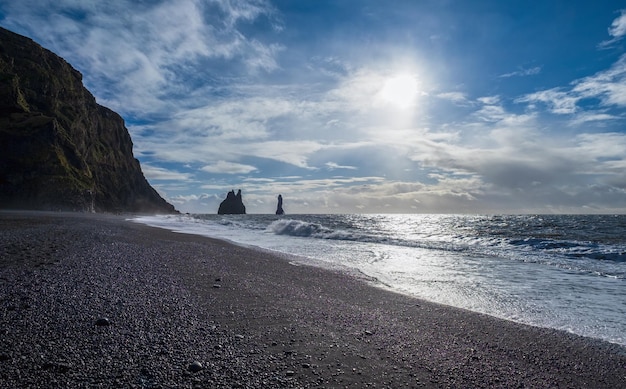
[400, 90]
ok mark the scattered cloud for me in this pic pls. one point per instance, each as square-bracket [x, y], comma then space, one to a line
[135, 60]
[558, 101]
[522, 72]
[455, 97]
[586, 117]
[157, 173]
[223, 167]
[617, 30]
[334, 166]
[257, 95]
[489, 100]
[608, 86]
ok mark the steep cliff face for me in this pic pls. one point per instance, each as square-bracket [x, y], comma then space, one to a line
[59, 149]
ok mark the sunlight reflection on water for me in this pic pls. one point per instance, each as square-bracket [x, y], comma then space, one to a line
[485, 264]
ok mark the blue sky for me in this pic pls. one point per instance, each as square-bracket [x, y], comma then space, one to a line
[358, 106]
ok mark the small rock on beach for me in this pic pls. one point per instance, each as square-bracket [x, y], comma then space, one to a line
[195, 367]
[103, 321]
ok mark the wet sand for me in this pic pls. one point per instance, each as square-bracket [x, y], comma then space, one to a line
[248, 318]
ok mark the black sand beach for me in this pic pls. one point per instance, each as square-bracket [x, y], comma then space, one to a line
[250, 319]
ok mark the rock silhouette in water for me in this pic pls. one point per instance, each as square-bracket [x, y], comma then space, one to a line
[279, 209]
[60, 149]
[232, 205]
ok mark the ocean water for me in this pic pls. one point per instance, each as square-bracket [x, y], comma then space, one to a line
[558, 271]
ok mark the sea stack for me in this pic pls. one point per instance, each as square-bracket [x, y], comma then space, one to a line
[232, 204]
[279, 209]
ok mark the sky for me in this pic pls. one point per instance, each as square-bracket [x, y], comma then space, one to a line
[358, 106]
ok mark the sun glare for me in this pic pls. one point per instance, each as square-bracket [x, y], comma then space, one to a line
[400, 90]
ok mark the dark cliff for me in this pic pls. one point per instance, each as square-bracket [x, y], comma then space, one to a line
[59, 149]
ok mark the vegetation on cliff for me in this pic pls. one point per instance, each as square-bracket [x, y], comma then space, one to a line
[59, 149]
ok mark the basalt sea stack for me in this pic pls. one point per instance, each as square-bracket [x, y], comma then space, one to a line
[279, 207]
[59, 149]
[232, 204]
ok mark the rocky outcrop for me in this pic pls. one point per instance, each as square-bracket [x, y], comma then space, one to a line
[59, 149]
[232, 204]
[279, 208]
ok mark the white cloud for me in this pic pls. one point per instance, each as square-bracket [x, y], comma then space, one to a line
[602, 146]
[522, 72]
[378, 195]
[295, 153]
[333, 166]
[237, 10]
[559, 102]
[356, 91]
[212, 84]
[511, 157]
[200, 203]
[455, 97]
[609, 86]
[223, 167]
[265, 56]
[618, 27]
[136, 57]
[489, 100]
[491, 113]
[186, 198]
[592, 116]
[157, 173]
[368, 88]
[617, 30]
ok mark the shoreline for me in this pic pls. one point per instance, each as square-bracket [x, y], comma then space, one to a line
[249, 317]
[507, 294]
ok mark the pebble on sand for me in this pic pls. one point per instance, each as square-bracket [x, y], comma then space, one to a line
[195, 367]
[103, 321]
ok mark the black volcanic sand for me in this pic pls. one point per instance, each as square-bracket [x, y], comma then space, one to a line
[251, 320]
